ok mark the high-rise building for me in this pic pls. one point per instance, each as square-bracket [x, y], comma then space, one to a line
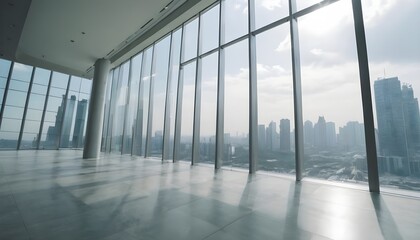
[390, 117]
[261, 137]
[67, 122]
[285, 135]
[79, 124]
[271, 136]
[320, 133]
[411, 118]
[331, 134]
[308, 133]
[351, 136]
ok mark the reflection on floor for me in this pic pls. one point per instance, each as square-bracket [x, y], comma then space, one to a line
[57, 195]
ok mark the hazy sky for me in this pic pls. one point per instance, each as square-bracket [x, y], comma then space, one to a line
[330, 77]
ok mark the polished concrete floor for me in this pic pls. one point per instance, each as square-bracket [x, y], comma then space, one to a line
[57, 195]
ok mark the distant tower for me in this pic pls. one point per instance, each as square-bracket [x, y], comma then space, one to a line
[331, 134]
[271, 135]
[308, 133]
[320, 133]
[389, 110]
[67, 122]
[411, 118]
[79, 124]
[285, 135]
[261, 137]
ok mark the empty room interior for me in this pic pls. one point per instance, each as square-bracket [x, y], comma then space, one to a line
[209, 119]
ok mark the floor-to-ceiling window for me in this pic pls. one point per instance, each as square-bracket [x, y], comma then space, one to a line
[296, 63]
[42, 109]
[14, 105]
[394, 64]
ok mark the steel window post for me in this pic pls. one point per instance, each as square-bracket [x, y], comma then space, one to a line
[178, 112]
[43, 112]
[297, 90]
[25, 110]
[368, 118]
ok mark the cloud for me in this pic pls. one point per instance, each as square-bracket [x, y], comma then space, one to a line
[284, 45]
[272, 4]
[373, 10]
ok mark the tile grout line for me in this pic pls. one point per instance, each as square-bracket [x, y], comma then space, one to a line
[21, 216]
[227, 225]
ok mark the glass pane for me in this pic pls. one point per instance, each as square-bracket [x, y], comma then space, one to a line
[55, 104]
[36, 101]
[331, 94]
[33, 115]
[42, 76]
[301, 4]
[236, 19]
[32, 126]
[209, 29]
[4, 68]
[16, 98]
[19, 85]
[80, 123]
[235, 150]
[268, 11]
[143, 106]
[120, 103]
[8, 140]
[394, 65]
[68, 120]
[107, 108]
[187, 111]
[22, 72]
[10, 125]
[86, 86]
[75, 83]
[29, 141]
[208, 90]
[275, 101]
[57, 92]
[160, 76]
[173, 88]
[13, 112]
[40, 89]
[59, 80]
[190, 40]
[132, 104]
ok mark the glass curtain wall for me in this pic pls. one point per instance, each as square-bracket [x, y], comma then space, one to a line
[39, 110]
[119, 101]
[158, 97]
[14, 105]
[303, 61]
[54, 111]
[394, 64]
[133, 98]
[169, 132]
[35, 108]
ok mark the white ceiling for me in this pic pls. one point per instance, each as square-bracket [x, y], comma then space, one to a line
[70, 35]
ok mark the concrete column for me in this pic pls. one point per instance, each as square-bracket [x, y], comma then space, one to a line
[96, 110]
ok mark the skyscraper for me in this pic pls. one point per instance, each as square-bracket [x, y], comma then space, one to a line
[271, 136]
[308, 133]
[67, 122]
[331, 134]
[79, 124]
[411, 118]
[390, 117]
[261, 137]
[320, 133]
[285, 135]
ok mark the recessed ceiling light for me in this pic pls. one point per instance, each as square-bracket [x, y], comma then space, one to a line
[43, 56]
[10, 4]
[72, 40]
[12, 25]
[83, 33]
